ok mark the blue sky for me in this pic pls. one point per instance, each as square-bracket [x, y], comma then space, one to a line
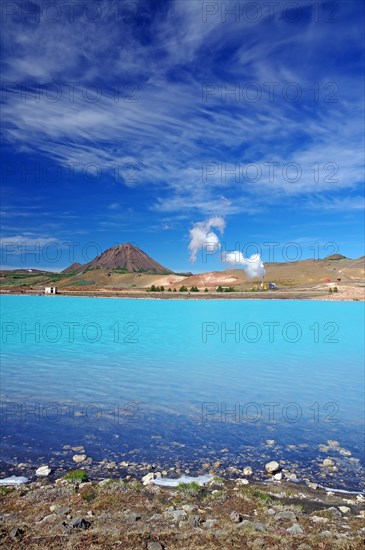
[133, 121]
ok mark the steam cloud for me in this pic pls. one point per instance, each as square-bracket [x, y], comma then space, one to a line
[202, 236]
[253, 265]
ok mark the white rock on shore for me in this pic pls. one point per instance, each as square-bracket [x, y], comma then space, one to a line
[43, 471]
[79, 458]
[272, 467]
[148, 478]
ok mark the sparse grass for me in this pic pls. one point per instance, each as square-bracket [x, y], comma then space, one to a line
[192, 488]
[135, 486]
[6, 490]
[216, 496]
[112, 526]
[218, 480]
[88, 494]
[109, 501]
[256, 494]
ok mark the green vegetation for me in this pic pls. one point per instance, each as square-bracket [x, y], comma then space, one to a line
[6, 490]
[254, 493]
[135, 486]
[194, 289]
[226, 289]
[76, 475]
[192, 488]
[154, 288]
[206, 290]
[217, 480]
[183, 288]
[88, 494]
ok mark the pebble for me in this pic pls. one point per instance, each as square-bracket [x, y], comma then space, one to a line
[48, 518]
[43, 471]
[194, 521]
[188, 508]
[332, 510]
[241, 481]
[247, 471]
[328, 463]
[272, 467]
[79, 458]
[246, 523]
[286, 514]
[319, 519]
[235, 517]
[209, 523]
[295, 530]
[60, 510]
[16, 533]
[175, 515]
[344, 509]
[345, 452]
[154, 545]
[80, 523]
[278, 476]
[155, 517]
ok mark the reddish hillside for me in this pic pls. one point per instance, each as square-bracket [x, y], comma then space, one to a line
[127, 258]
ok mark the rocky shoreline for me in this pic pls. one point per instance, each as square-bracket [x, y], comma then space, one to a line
[141, 510]
[348, 293]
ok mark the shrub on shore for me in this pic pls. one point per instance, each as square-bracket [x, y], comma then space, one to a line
[76, 475]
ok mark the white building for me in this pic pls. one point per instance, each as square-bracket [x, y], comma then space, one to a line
[50, 290]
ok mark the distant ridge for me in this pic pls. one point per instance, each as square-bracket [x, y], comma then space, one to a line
[335, 257]
[73, 267]
[128, 258]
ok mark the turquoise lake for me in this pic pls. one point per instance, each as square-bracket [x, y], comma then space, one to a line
[184, 382]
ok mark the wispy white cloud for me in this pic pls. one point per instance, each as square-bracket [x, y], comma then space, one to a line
[165, 134]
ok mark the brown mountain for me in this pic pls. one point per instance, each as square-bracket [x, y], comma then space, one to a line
[73, 267]
[128, 258]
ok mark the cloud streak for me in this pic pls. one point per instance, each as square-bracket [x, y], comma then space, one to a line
[165, 128]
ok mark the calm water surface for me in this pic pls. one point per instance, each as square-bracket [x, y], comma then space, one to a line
[184, 382]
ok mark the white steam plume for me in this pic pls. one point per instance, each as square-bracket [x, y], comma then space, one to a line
[202, 236]
[253, 265]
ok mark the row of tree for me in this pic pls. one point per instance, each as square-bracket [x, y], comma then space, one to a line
[183, 288]
[226, 289]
